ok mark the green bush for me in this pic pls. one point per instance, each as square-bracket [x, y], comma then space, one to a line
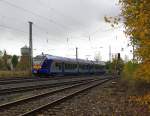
[128, 70]
[14, 74]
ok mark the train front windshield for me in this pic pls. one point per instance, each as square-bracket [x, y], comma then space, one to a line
[38, 60]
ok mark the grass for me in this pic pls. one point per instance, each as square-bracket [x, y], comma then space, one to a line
[6, 74]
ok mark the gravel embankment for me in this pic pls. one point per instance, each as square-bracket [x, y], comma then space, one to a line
[27, 105]
[110, 99]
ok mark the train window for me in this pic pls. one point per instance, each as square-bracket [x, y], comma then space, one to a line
[66, 66]
[87, 66]
[70, 66]
[81, 66]
[58, 66]
[75, 65]
[98, 67]
[38, 59]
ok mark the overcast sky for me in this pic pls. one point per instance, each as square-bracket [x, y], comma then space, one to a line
[59, 26]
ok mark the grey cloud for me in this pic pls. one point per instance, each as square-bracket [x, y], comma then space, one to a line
[55, 20]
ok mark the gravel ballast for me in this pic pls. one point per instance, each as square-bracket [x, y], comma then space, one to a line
[109, 99]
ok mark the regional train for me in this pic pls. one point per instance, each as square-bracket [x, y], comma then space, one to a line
[55, 65]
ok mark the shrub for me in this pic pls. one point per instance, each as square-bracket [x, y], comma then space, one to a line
[128, 70]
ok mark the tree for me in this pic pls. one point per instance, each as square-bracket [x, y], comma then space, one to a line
[109, 67]
[116, 66]
[5, 59]
[14, 61]
[135, 15]
[1, 61]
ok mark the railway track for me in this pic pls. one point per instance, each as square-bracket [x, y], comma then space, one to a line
[33, 79]
[33, 104]
[41, 86]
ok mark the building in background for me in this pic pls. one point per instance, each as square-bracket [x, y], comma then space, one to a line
[24, 59]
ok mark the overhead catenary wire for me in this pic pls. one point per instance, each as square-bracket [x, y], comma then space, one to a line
[41, 28]
[46, 17]
[33, 13]
[12, 28]
[36, 26]
[45, 32]
[60, 13]
[26, 10]
[21, 31]
[18, 30]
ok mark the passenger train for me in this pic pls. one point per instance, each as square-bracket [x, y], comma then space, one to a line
[55, 65]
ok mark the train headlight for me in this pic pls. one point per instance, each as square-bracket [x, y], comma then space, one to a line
[37, 67]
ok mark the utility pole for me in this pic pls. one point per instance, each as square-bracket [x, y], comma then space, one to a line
[76, 53]
[30, 46]
[110, 53]
[77, 59]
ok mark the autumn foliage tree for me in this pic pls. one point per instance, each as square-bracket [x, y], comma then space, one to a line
[136, 18]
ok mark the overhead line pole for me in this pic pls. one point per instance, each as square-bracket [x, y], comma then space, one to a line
[77, 59]
[76, 53]
[30, 46]
[110, 53]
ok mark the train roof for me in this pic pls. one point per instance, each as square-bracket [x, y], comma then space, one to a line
[66, 59]
[59, 58]
[70, 59]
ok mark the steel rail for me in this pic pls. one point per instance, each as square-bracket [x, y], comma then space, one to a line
[5, 105]
[23, 80]
[41, 86]
[43, 77]
[60, 100]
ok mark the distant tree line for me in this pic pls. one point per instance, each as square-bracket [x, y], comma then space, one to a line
[13, 62]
